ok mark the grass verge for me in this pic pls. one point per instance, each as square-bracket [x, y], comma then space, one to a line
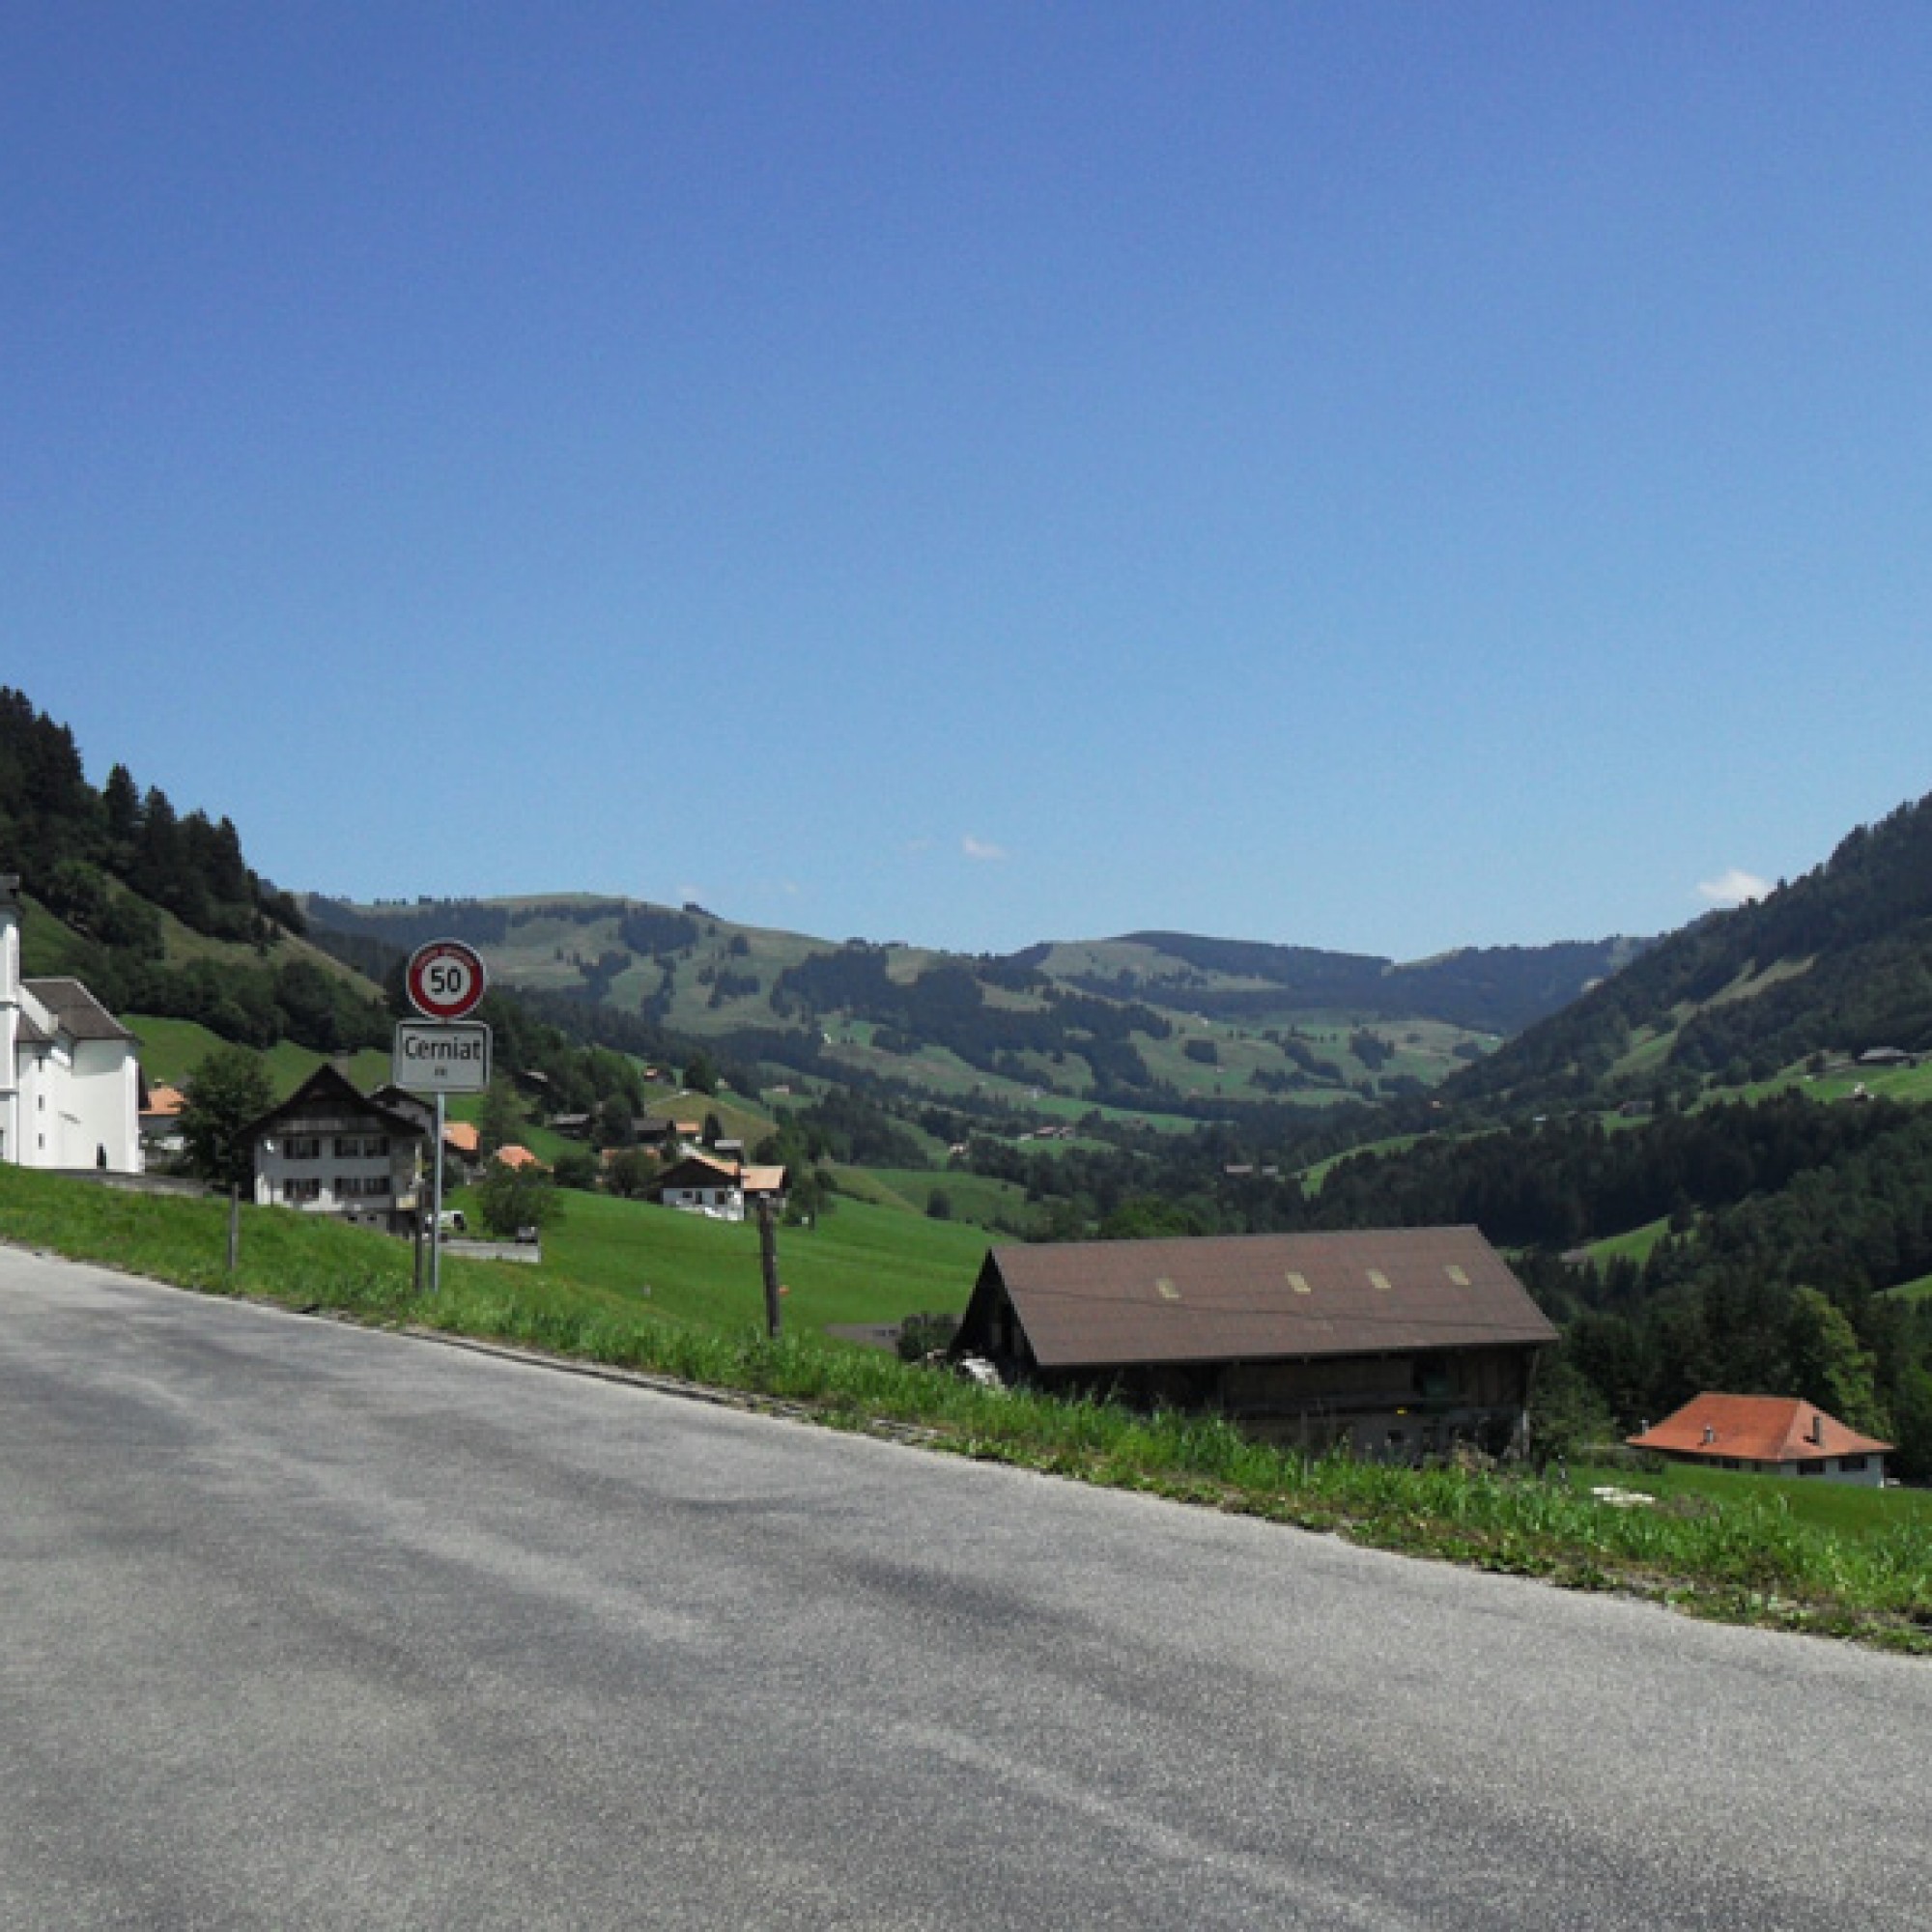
[1743, 1558]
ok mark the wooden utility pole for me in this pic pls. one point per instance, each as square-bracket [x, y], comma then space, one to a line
[768, 1247]
[233, 1229]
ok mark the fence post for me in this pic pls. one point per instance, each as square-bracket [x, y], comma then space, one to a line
[768, 1248]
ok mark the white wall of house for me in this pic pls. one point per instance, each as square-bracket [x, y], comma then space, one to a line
[1865, 1472]
[10, 1034]
[1861, 1472]
[93, 1104]
[721, 1203]
[349, 1169]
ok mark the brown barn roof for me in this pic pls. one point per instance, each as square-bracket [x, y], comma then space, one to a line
[1249, 1297]
[1755, 1429]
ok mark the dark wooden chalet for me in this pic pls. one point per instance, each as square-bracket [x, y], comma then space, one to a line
[1398, 1343]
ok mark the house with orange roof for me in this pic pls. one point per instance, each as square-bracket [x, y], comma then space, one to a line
[515, 1156]
[160, 1119]
[1774, 1435]
[462, 1147]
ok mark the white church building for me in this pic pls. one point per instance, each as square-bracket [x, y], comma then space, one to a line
[70, 1083]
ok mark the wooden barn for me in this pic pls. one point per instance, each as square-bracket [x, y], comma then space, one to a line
[1400, 1343]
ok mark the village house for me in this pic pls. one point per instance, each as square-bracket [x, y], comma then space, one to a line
[330, 1150]
[70, 1082]
[723, 1190]
[160, 1119]
[1396, 1344]
[463, 1144]
[1773, 1434]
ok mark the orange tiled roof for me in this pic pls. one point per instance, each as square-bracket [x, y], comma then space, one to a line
[462, 1135]
[163, 1100]
[1755, 1429]
[513, 1155]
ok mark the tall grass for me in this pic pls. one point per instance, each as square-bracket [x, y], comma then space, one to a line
[1746, 1556]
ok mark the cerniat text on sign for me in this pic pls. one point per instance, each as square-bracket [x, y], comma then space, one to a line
[441, 1056]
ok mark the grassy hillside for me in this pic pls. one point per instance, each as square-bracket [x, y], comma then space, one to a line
[1842, 1508]
[170, 1050]
[860, 1263]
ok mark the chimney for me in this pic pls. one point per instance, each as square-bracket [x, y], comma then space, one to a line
[1709, 1433]
[1818, 1426]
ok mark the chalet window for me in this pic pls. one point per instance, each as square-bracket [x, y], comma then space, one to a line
[295, 1191]
[1849, 1463]
[302, 1146]
[1812, 1466]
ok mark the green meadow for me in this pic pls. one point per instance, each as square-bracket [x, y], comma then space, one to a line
[861, 1264]
[172, 1049]
[1842, 1508]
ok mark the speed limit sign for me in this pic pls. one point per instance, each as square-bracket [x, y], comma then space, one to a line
[445, 980]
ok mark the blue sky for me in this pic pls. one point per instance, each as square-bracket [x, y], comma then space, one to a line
[1382, 477]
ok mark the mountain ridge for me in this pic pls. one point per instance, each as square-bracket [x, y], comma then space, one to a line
[1145, 1021]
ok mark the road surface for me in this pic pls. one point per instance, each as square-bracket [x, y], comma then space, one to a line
[304, 1625]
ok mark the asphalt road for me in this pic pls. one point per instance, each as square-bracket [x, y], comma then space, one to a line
[301, 1626]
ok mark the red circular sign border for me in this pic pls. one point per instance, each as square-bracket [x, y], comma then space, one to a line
[422, 957]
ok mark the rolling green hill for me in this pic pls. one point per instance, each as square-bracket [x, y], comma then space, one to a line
[1147, 1026]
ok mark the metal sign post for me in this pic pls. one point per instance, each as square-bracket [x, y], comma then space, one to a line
[444, 982]
[436, 1205]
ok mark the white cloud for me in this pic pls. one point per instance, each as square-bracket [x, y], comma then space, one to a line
[1734, 888]
[981, 848]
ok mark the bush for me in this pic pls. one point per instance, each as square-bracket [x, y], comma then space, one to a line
[923, 1335]
[513, 1197]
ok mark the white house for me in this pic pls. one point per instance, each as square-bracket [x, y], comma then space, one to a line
[71, 1092]
[329, 1149]
[1773, 1434]
[720, 1190]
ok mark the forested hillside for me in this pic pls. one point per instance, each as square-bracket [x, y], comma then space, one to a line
[1838, 961]
[157, 909]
